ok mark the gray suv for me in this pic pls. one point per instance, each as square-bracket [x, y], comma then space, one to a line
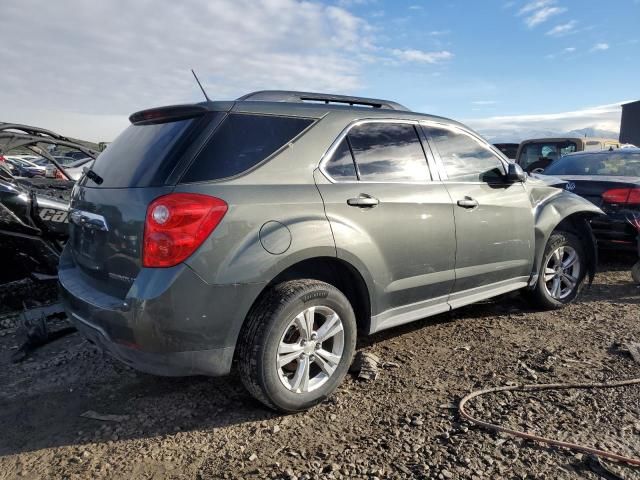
[266, 233]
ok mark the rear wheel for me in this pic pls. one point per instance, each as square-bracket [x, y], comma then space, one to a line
[562, 272]
[297, 344]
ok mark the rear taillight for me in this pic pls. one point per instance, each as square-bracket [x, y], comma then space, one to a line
[622, 196]
[2, 159]
[176, 225]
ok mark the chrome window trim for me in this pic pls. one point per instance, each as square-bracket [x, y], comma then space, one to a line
[328, 154]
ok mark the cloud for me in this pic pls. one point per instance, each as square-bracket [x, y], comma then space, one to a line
[542, 15]
[563, 29]
[484, 102]
[564, 51]
[535, 5]
[520, 127]
[420, 56]
[91, 59]
[600, 47]
[439, 33]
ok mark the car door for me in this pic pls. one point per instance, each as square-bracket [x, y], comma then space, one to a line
[391, 218]
[493, 217]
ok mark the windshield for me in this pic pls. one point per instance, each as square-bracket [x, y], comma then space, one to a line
[549, 151]
[616, 164]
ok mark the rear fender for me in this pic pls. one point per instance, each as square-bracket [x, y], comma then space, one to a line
[564, 210]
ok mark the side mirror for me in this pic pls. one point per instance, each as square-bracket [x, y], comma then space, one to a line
[515, 173]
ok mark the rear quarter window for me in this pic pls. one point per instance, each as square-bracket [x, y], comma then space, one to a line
[241, 142]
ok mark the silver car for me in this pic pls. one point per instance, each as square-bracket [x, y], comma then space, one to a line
[266, 233]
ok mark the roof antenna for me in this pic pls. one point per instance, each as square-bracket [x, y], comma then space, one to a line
[200, 85]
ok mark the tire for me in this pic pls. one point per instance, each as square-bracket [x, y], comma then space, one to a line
[635, 272]
[545, 294]
[276, 329]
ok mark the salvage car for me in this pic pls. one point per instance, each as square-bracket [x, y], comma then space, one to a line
[611, 181]
[536, 154]
[269, 231]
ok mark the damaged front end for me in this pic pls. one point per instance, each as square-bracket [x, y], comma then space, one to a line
[33, 227]
[33, 211]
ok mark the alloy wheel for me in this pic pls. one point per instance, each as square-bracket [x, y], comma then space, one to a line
[562, 272]
[310, 349]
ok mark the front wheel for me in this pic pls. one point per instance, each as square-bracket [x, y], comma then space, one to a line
[562, 271]
[297, 344]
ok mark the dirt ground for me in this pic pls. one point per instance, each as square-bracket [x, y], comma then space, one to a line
[404, 424]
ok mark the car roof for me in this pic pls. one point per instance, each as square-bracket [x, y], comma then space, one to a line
[617, 151]
[564, 139]
[316, 105]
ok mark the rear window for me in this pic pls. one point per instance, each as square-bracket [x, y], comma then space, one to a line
[618, 165]
[544, 151]
[240, 143]
[145, 155]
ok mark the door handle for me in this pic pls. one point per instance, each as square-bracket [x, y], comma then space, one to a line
[363, 201]
[468, 202]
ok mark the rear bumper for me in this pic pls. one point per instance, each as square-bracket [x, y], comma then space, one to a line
[170, 323]
[615, 231]
[212, 362]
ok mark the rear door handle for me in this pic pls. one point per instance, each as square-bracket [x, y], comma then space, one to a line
[363, 201]
[468, 202]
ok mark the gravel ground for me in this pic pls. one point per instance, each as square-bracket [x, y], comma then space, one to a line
[404, 424]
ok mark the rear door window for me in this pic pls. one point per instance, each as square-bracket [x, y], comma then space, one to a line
[388, 152]
[464, 158]
[241, 142]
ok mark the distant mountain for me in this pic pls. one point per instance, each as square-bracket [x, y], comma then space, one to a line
[502, 136]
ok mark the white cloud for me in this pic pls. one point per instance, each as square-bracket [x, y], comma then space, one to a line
[484, 102]
[564, 51]
[420, 56]
[600, 47]
[439, 33]
[535, 5]
[563, 29]
[106, 59]
[519, 127]
[542, 15]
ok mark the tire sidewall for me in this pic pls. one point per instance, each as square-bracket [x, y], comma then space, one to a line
[558, 239]
[268, 371]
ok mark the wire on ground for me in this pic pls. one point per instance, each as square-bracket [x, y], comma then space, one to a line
[537, 438]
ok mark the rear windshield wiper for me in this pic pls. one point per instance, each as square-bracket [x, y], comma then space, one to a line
[97, 179]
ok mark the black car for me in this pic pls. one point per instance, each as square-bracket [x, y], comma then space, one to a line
[610, 180]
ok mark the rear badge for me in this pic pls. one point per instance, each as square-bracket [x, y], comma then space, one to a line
[570, 186]
[122, 278]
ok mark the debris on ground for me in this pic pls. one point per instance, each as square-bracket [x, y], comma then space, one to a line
[366, 365]
[402, 426]
[36, 332]
[104, 417]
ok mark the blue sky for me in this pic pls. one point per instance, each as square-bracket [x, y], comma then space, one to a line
[509, 57]
[510, 69]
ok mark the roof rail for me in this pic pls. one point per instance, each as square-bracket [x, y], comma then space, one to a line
[327, 98]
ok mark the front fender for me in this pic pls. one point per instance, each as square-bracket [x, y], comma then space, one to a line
[552, 207]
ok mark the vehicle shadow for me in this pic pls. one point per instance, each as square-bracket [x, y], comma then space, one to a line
[42, 402]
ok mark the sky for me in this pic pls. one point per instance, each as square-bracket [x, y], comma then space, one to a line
[508, 68]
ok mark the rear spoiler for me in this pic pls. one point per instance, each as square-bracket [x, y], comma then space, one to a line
[173, 113]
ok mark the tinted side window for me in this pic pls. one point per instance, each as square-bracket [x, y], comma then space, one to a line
[464, 158]
[341, 166]
[240, 143]
[388, 152]
[144, 155]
